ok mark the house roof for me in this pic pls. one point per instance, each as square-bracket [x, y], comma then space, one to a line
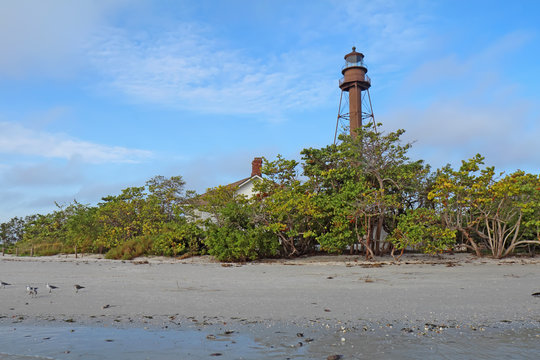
[237, 185]
[243, 182]
[256, 173]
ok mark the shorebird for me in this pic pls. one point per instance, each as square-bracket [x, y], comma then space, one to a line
[3, 284]
[32, 291]
[78, 287]
[51, 287]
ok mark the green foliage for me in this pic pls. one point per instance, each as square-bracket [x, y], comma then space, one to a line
[12, 231]
[167, 193]
[49, 249]
[284, 208]
[531, 208]
[360, 186]
[131, 249]
[60, 231]
[177, 238]
[457, 193]
[40, 249]
[486, 210]
[347, 197]
[230, 244]
[232, 232]
[421, 229]
[354, 210]
[45, 229]
[82, 227]
[153, 215]
[127, 216]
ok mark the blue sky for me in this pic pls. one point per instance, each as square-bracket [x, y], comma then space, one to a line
[96, 96]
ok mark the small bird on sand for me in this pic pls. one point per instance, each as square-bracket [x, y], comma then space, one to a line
[51, 287]
[78, 287]
[32, 291]
[3, 284]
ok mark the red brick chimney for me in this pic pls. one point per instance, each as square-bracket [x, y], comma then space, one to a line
[256, 166]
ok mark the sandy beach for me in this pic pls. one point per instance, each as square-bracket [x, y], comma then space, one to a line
[454, 287]
[339, 293]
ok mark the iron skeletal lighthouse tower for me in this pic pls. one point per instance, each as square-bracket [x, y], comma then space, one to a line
[356, 83]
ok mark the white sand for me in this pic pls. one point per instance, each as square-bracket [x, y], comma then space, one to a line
[337, 289]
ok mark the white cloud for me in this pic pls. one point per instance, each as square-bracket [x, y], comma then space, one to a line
[16, 139]
[191, 66]
[189, 69]
[389, 32]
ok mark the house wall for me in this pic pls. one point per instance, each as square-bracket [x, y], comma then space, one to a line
[246, 189]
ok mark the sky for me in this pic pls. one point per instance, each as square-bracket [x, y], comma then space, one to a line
[97, 96]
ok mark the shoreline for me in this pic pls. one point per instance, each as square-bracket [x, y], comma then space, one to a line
[303, 308]
[59, 341]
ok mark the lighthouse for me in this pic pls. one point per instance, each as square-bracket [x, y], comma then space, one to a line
[355, 83]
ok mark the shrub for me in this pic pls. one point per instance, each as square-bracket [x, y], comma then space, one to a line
[421, 229]
[133, 248]
[50, 249]
[230, 244]
[178, 238]
[233, 233]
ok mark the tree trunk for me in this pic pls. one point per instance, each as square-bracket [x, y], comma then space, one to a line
[471, 241]
[369, 250]
[378, 234]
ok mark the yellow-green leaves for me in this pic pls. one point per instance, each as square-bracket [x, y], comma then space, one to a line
[500, 213]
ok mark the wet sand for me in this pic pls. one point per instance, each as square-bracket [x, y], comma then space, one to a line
[91, 342]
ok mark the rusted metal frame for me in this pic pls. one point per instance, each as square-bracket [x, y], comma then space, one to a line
[371, 108]
[338, 116]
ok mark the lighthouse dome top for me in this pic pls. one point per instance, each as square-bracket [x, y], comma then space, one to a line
[354, 58]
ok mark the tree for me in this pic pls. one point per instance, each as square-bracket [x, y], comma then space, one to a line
[361, 185]
[383, 160]
[330, 182]
[455, 194]
[232, 231]
[83, 227]
[485, 210]
[513, 199]
[283, 207]
[12, 231]
[177, 238]
[126, 216]
[531, 210]
[422, 229]
[169, 193]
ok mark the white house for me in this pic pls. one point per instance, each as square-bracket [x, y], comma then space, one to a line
[245, 186]
[241, 187]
